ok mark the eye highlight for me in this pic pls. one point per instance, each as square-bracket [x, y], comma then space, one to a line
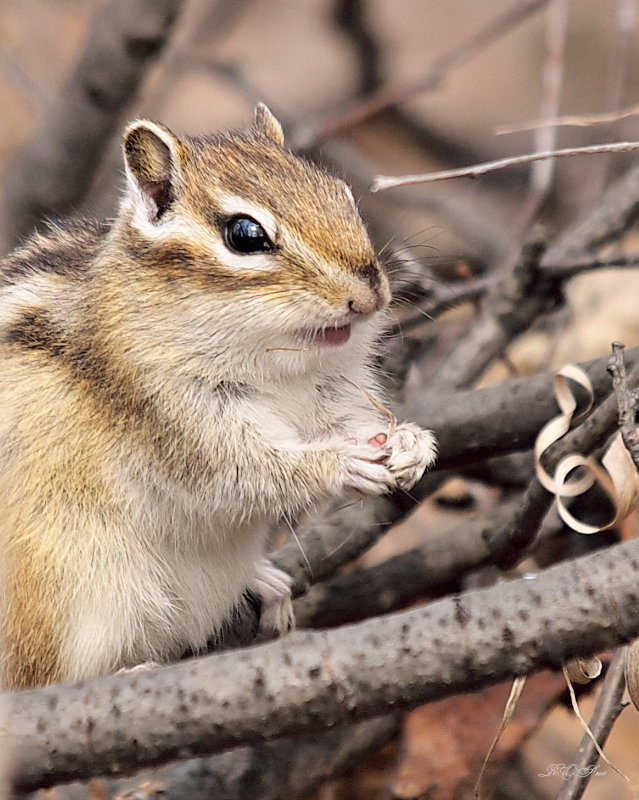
[243, 234]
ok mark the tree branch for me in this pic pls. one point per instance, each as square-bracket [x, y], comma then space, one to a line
[627, 400]
[310, 679]
[290, 767]
[608, 707]
[512, 304]
[348, 529]
[392, 93]
[617, 210]
[470, 425]
[383, 182]
[435, 568]
[507, 541]
[55, 170]
[482, 423]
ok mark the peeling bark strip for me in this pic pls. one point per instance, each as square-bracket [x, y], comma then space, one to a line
[125, 722]
[55, 170]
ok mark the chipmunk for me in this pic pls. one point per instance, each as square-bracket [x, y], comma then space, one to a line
[172, 382]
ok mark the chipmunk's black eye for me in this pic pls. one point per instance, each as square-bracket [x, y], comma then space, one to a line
[245, 235]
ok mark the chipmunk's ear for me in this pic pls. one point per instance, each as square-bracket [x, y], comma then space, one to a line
[267, 125]
[152, 160]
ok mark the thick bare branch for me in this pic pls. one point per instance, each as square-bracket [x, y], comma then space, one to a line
[311, 679]
[432, 569]
[291, 767]
[55, 170]
[481, 423]
[348, 529]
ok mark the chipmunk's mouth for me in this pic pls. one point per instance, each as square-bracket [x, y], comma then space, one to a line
[328, 337]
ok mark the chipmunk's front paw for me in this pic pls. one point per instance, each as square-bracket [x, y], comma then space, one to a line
[273, 587]
[365, 469]
[412, 451]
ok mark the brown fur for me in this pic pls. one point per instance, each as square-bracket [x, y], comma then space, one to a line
[161, 404]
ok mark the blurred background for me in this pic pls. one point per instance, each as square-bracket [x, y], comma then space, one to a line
[486, 67]
[446, 81]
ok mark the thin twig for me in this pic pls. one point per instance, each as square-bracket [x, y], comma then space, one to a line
[587, 263]
[383, 182]
[621, 52]
[542, 172]
[392, 93]
[511, 706]
[586, 727]
[545, 139]
[446, 296]
[608, 707]
[442, 298]
[569, 120]
[627, 400]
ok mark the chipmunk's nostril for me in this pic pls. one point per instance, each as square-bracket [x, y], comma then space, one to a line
[369, 291]
[370, 274]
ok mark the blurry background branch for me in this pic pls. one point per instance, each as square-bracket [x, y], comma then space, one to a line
[55, 169]
[497, 281]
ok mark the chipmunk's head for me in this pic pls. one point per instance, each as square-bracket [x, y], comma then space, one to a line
[237, 223]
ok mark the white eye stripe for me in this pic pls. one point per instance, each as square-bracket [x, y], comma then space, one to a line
[234, 206]
[177, 228]
[242, 262]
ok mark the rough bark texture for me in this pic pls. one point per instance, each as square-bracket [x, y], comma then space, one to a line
[307, 679]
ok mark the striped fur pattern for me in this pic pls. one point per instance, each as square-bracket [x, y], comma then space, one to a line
[165, 397]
